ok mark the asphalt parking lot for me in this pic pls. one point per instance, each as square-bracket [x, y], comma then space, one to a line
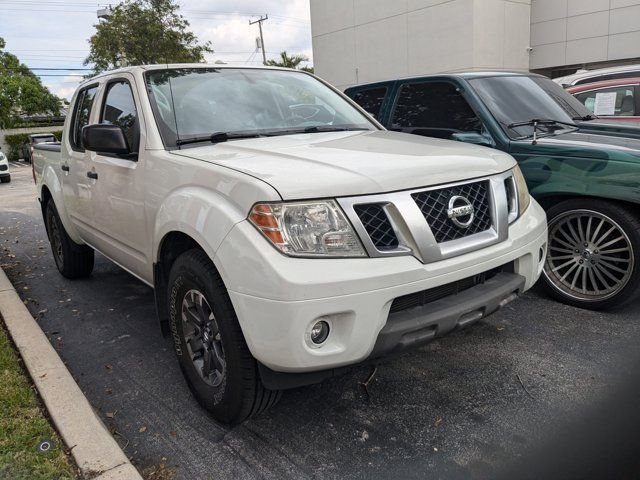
[461, 407]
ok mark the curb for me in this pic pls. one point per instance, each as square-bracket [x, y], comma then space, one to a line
[96, 453]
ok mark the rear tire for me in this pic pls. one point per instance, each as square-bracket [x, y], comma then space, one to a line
[72, 260]
[208, 340]
[6, 179]
[594, 254]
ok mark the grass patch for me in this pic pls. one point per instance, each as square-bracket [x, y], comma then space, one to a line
[23, 424]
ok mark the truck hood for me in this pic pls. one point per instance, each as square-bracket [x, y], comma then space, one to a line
[591, 144]
[610, 126]
[338, 164]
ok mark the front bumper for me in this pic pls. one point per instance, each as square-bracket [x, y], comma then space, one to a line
[277, 299]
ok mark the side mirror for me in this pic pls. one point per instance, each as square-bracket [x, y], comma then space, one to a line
[105, 138]
[475, 138]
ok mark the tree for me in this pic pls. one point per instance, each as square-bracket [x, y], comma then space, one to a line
[292, 61]
[21, 91]
[141, 32]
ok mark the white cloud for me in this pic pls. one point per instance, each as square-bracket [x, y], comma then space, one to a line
[63, 88]
[56, 37]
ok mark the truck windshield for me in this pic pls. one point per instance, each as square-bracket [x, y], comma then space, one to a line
[519, 99]
[191, 104]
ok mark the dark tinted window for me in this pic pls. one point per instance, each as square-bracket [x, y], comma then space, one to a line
[436, 105]
[81, 114]
[371, 100]
[120, 109]
[520, 98]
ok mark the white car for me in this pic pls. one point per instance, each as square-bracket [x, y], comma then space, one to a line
[5, 176]
[286, 233]
[589, 76]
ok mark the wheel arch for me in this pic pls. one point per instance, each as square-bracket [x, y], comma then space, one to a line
[45, 198]
[173, 244]
[549, 201]
[51, 191]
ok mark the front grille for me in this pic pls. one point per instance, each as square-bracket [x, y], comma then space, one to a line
[3, 168]
[377, 224]
[425, 297]
[435, 203]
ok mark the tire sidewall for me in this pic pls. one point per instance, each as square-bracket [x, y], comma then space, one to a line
[186, 275]
[620, 216]
[51, 217]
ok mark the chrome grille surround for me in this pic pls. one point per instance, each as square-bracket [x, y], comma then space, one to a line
[416, 237]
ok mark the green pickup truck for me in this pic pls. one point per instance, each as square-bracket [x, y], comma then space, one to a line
[584, 171]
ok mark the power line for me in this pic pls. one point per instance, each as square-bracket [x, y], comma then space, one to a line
[59, 75]
[40, 10]
[52, 69]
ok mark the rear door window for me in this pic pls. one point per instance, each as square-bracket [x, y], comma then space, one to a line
[608, 102]
[435, 109]
[81, 113]
[371, 100]
[44, 139]
[120, 110]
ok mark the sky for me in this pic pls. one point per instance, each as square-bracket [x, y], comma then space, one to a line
[55, 33]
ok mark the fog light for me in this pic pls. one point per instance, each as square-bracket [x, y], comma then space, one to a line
[319, 332]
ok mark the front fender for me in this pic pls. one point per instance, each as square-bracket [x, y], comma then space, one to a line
[610, 179]
[204, 215]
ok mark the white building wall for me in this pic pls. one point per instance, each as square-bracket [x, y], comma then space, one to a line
[577, 32]
[359, 41]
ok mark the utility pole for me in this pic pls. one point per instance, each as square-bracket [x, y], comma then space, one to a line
[259, 22]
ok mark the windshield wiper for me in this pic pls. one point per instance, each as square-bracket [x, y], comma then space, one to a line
[217, 137]
[314, 129]
[586, 118]
[535, 123]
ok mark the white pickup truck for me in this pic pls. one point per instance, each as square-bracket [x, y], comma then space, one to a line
[286, 234]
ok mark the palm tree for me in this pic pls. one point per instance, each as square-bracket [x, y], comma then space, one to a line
[287, 61]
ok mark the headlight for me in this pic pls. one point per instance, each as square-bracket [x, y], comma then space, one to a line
[307, 229]
[517, 194]
[523, 192]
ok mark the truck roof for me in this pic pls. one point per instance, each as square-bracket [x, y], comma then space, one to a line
[168, 66]
[465, 75]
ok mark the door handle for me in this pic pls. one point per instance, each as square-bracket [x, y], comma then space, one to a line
[65, 168]
[93, 175]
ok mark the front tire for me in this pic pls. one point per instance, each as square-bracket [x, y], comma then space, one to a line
[72, 260]
[593, 258]
[211, 350]
[6, 179]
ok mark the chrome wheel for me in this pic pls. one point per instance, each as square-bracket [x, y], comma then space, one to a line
[590, 256]
[202, 337]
